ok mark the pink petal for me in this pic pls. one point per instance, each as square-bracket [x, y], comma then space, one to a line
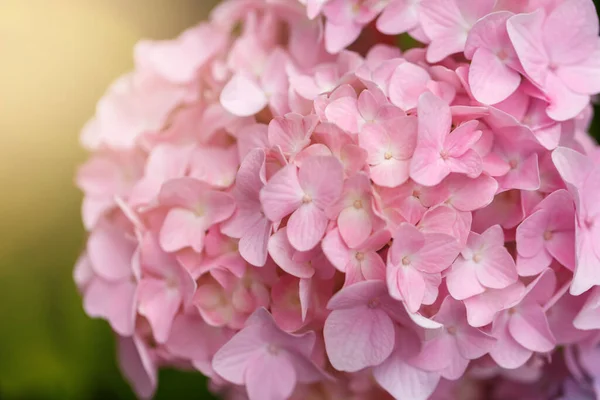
[428, 168]
[525, 32]
[406, 284]
[491, 80]
[482, 309]
[390, 173]
[110, 252]
[306, 227]
[462, 280]
[159, 304]
[529, 327]
[570, 31]
[336, 250]
[507, 352]
[497, 270]
[282, 194]
[473, 343]
[407, 83]
[354, 225]
[564, 103]
[338, 37]
[283, 253]
[270, 377]
[321, 177]
[358, 338]
[115, 301]
[253, 245]
[243, 97]
[182, 228]
[437, 254]
[138, 366]
[344, 113]
[403, 381]
[462, 139]
[234, 358]
[530, 234]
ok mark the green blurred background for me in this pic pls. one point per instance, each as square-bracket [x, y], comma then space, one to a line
[56, 59]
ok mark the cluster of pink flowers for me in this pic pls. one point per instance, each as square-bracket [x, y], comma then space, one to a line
[299, 220]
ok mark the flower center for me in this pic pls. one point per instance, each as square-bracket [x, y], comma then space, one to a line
[513, 164]
[405, 260]
[444, 154]
[358, 204]
[477, 258]
[273, 349]
[548, 235]
[387, 155]
[451, 330]
[373, 303]
[360, 256]
[306, 199]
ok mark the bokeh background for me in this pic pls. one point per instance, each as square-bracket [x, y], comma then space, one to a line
[56, 59]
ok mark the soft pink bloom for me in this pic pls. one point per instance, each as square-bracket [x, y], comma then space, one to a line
[180, 60]
[547, 234]
[399, 377]
[482, 308]
[492, 74]
[390, 146]
[111, 290]
[249, 222]
[399, 16]
[105, 176]
[305, 193]
[138, 363]
[414, 259]
[193, 208]
[164, 287]
[484, 263]
[581, 176]
[523, 328]
[355, 216]
[440, 152]
[359, 263]
[448, 350]
[345, 20]
[447, 24]
[268, 361]
[589, 316]
[560, 52]
[302, 264]
[359, 332]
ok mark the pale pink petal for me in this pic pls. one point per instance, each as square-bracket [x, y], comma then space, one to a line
[306, 227]
[344, 113]
[462, 280]
[321, 178]
[253, 245]
[497, 270]
[354, 225]
[270, 377]
[159, 304]
[525, 32]
[507, 352]
[115, 301]
[407, 83]
[403, 381]
[282, 194]
[358, 338]
[406, 284]
[138, 366]
[529, 327]
[243, 97]
[182, 228]
[437, 254]
[338, 37]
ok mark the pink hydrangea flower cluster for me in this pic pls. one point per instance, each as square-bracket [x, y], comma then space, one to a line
[299, 220]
